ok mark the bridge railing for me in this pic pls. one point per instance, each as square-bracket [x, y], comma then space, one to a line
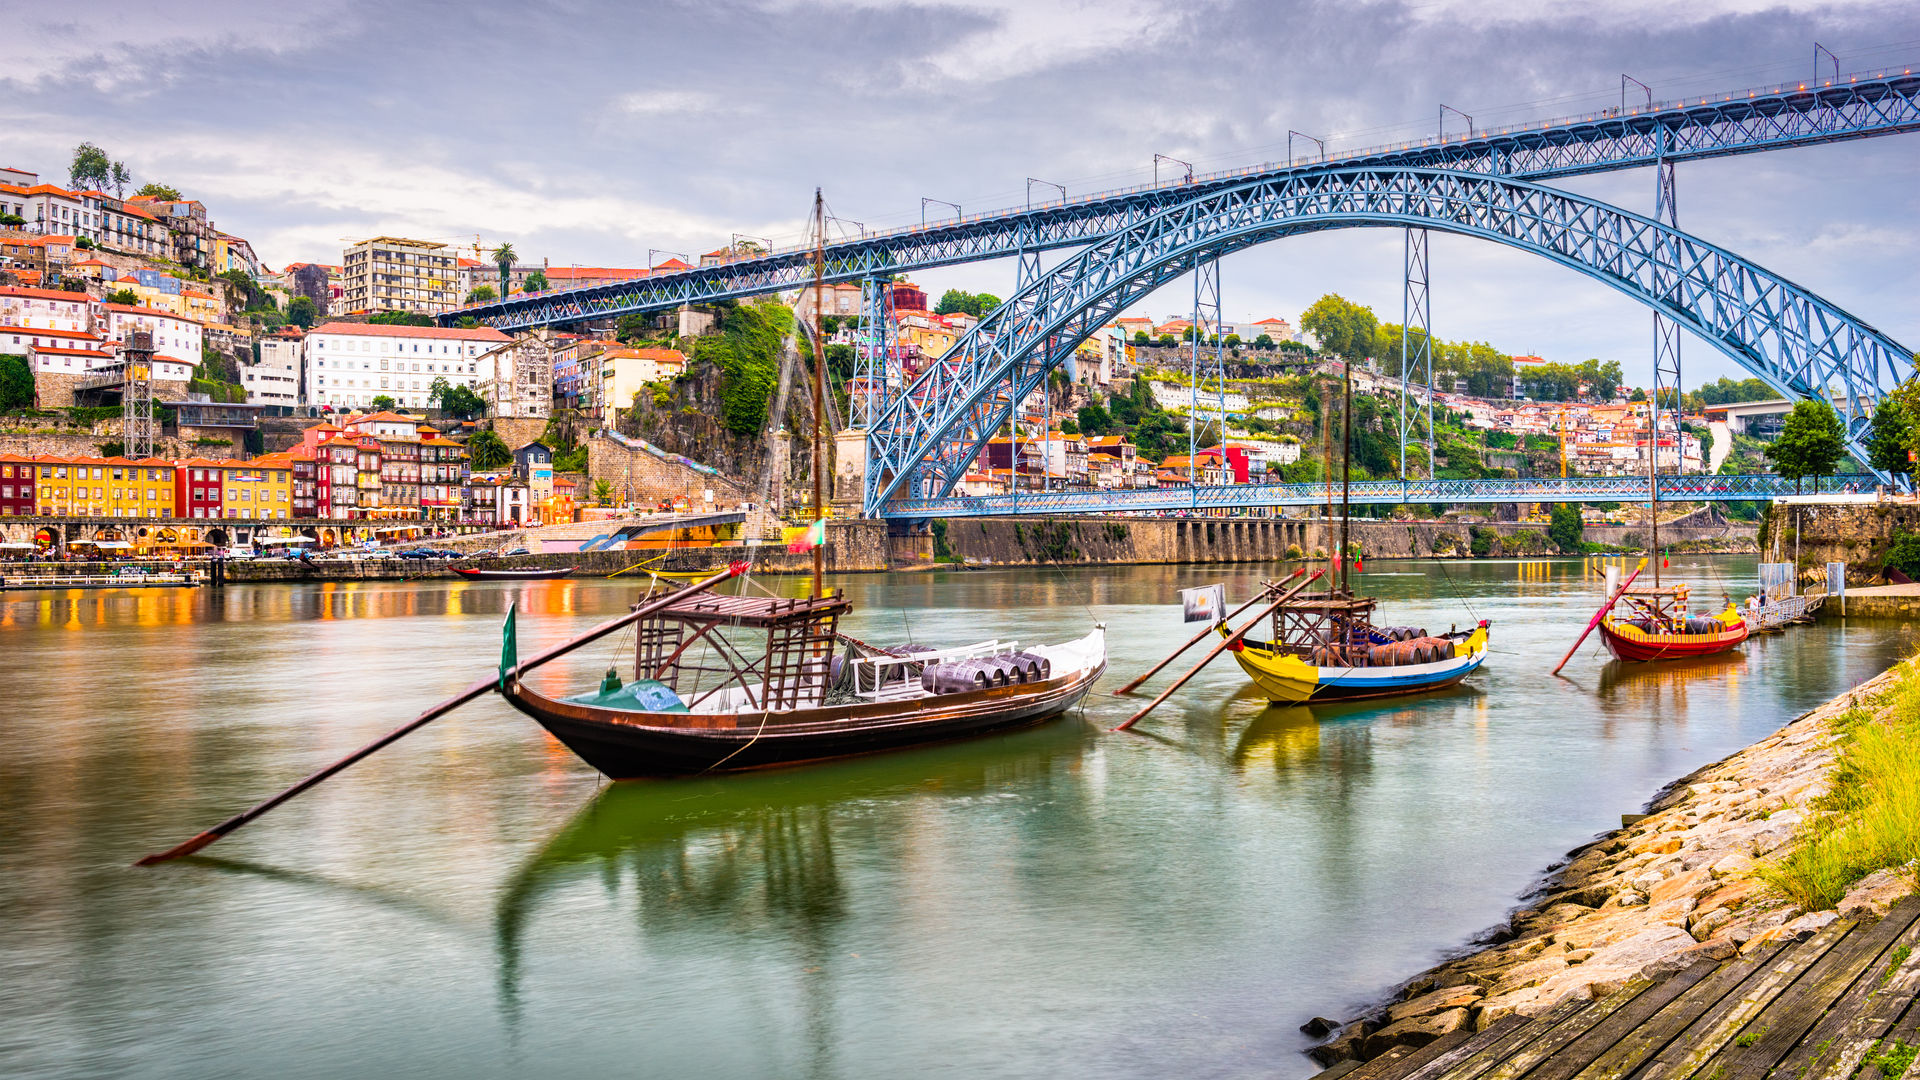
[1202, 498]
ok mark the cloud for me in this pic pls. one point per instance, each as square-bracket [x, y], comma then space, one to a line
[666, 102]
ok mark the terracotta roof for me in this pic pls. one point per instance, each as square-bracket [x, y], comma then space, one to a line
[133, 309]
[481, 333]
[81, 334]
[69, 352]
[45, 294]
[382, 417]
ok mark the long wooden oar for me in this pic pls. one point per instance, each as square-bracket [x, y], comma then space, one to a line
[1598, 615]
[476, 690]
[1195, 640]
[1231, 640]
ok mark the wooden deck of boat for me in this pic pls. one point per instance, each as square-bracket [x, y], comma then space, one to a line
[1814, 1009]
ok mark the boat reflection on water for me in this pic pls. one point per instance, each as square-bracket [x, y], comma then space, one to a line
[1620, 675]
[756, 854]
[1290, 738]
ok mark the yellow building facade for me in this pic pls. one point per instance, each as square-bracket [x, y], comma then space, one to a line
[261, 488]
[103, 487]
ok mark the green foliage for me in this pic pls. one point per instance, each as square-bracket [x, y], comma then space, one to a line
[1637, 395]
[1811, 442]
[1904, 554]
[631, 328]
[1069, 427]
[1233, 341]
[460, 401]
[1166, 341]
[16, 383]
[382, 402]
[91, 168]
[12, 221]
[942, 551]
[112, 448]
[975, 304]
[205, 441]
[602, 491]
[536, 282]
[480, 294]
[1565, 528]
[122, 296]
[1481, 540]
[399, 318]
[487, 451]
[1893, 1061]
[1264, 341]
[1870, 819]
[1727, 392]
[574, 460]
[1562, 382]
[747, 352]
[303, 312]
[1094, 419]
[1140, 337]
[503, 257]
[1343, 327]
[1891, 446]
[83, 243]
[160, 191]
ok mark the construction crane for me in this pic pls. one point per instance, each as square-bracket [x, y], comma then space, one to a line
[1563, 442]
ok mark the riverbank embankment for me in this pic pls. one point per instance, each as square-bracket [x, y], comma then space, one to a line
[1724, 863]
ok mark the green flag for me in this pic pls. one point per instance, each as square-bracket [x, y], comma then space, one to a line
[509, 654]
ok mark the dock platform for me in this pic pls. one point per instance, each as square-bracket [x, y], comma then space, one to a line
[1836, 1005]
[12, 582]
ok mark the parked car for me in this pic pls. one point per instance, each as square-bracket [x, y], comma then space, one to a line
[516, 551]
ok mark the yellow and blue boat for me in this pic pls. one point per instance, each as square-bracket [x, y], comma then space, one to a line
[1325, 648]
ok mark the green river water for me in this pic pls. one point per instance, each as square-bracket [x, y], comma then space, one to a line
[1059, 902]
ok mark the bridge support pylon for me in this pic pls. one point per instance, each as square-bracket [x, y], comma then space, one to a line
[1416, 354]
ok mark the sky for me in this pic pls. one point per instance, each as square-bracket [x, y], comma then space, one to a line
[612, 135]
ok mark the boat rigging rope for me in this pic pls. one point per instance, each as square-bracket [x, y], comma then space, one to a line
[1456, 590]
[764, 714]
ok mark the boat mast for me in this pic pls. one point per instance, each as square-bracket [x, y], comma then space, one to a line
[819, 387]
[1653, 482]
[1346, 470]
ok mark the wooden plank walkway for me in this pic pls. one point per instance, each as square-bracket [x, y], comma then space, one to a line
[1821, 1008]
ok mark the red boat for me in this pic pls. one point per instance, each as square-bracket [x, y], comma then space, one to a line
[1659, 627]
[526, 573]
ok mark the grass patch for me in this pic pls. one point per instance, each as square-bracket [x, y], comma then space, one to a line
[1893, 1061]
[1870, 820]
[1749, 1038]
[1894, 961]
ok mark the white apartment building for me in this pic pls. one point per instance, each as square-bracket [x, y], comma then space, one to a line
[347, 365]
[516, 379]
[276, 378]
[175, 337]
[44, 309]
[392, 273]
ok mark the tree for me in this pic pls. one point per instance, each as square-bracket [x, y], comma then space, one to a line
[1140, 337]
[1891, 444]
[160, 191]
[1264, 341]
[12, 221]
[120, 178]
[16, 383]
[1166, 341]
[91, 167]
[1566, 529]
[487, 451]
[1344, 328]
[1233, 340]
[602, 491]
[481, 294]
[303, 312]
[958, 301]
[503, 257]
[399, 318]
[536, 282]
[631, 328]
[1094, 419]
[122, 296]
[382, 403]
[1637, 395]
[454, 400]
[1068, 427]
[1811, 442]
[83, 243]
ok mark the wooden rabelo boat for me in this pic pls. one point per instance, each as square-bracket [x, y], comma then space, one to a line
[1657, 626]
[1325, 647]
[528, 573]
[726, 683]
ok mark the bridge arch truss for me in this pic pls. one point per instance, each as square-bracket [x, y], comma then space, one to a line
[1797, 342]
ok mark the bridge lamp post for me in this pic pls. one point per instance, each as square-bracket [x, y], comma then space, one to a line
[861, 226]
[957, 212]
[1158, 158]
[1444, 110]
[1321, 143]
[1046, 183]
[766, 245]
[1817, 50]
[1624, 80]
[682, 256]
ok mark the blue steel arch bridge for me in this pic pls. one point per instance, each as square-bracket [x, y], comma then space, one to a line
[922, 434]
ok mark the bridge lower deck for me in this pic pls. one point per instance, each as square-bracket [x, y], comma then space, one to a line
[1838, 1005]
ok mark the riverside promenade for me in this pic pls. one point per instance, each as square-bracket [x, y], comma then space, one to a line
[1662, 950]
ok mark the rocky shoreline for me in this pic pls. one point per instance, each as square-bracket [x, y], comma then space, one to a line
[1670, 887]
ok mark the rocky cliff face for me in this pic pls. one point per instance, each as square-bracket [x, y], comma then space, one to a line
[1857, 534]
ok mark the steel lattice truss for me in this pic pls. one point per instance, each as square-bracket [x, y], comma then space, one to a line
[1727, 124]
[1797, 342]
[1587, 489]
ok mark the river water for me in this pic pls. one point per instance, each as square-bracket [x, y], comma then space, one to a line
[1061, 902]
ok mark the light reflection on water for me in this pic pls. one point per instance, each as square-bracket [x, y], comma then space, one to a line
[475, 902]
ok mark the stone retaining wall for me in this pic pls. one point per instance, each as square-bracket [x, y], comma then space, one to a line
[637, 476]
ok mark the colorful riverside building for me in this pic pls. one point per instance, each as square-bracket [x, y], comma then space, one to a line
[261, 488]
[52, 485]
[197, 488]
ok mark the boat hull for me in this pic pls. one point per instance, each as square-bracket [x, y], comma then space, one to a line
[1285, 679]
[472, 574]
[1634, 645]
[628, 745]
